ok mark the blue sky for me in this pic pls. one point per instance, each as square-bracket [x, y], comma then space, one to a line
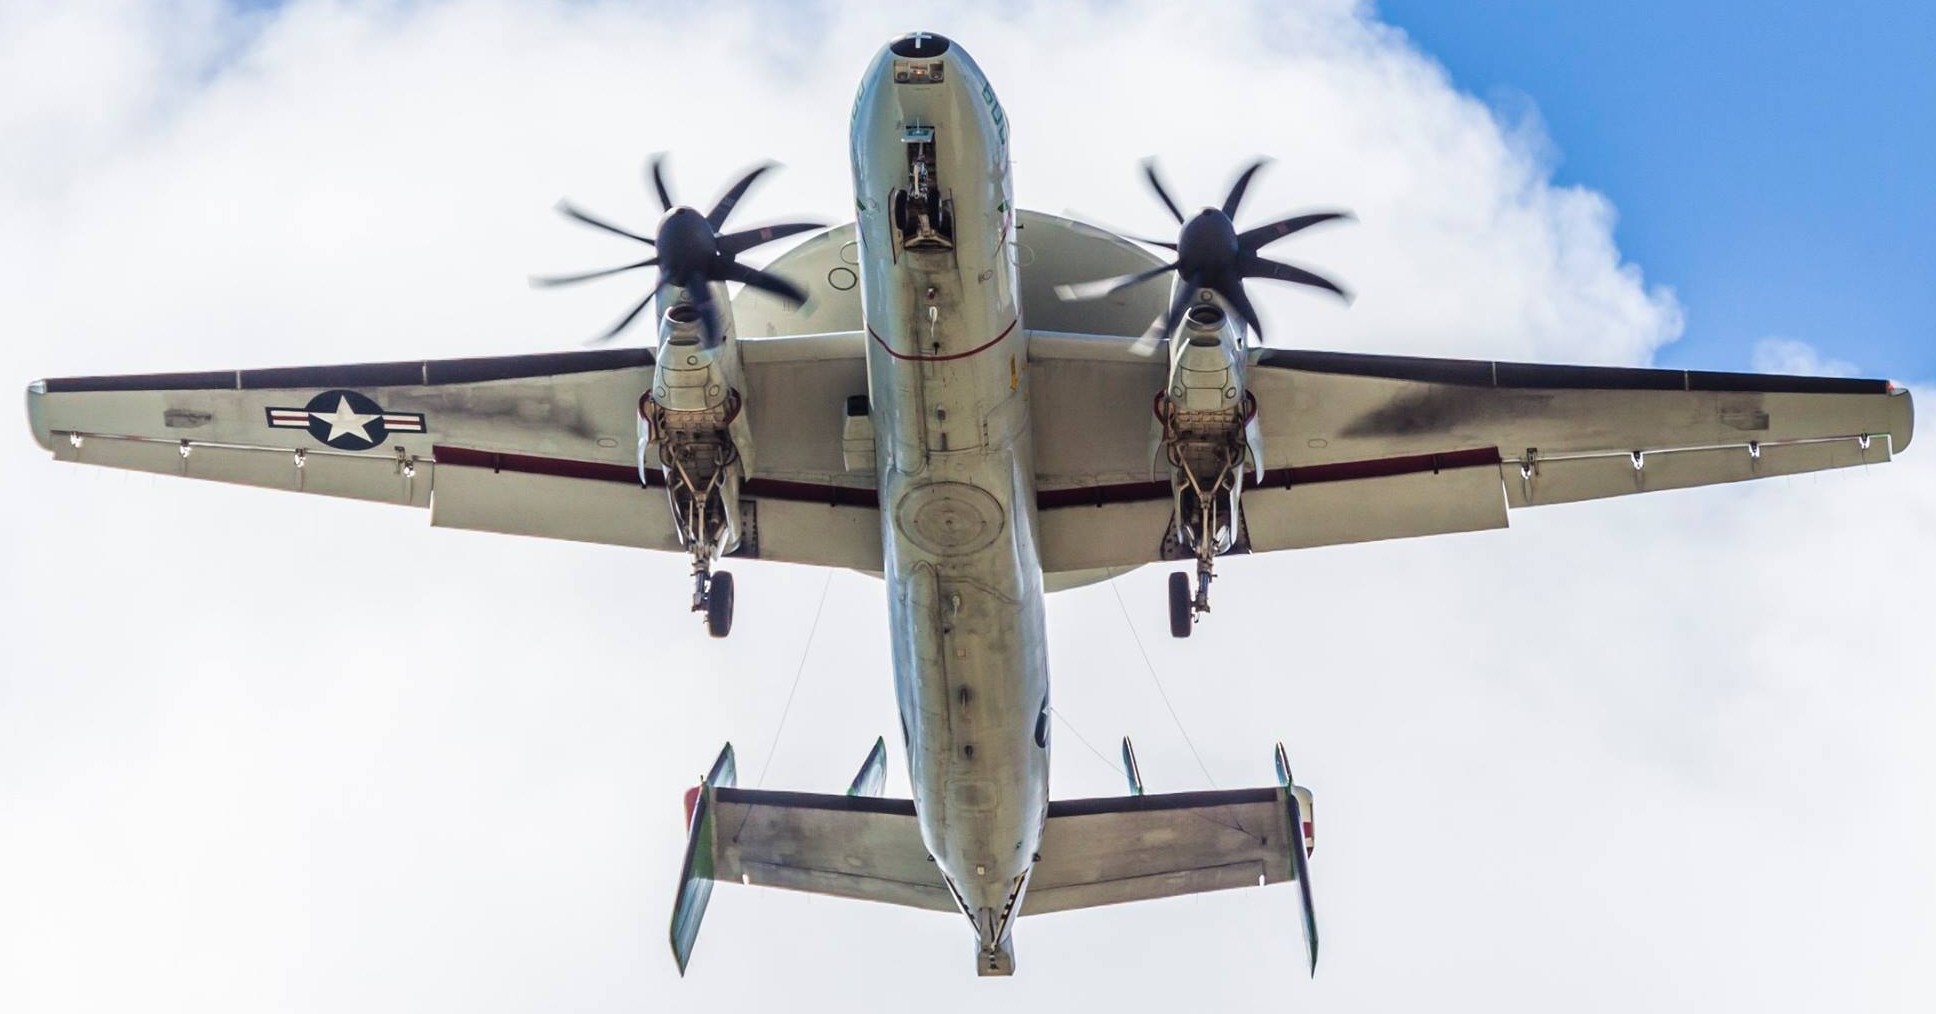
[1769, 161]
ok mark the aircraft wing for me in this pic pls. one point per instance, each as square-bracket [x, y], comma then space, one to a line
[541, 445]
[1357, 448]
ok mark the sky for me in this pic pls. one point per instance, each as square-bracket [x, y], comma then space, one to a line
[271, 752]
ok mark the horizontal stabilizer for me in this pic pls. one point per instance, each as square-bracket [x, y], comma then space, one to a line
[1094, 851]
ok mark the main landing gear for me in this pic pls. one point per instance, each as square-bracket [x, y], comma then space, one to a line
[1207, 458]
[701, 465]
[712, 590]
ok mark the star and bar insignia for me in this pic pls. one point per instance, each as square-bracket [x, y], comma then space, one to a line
[345, 420]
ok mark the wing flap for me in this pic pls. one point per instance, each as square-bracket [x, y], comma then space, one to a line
[1425, 502]
[1104, 535]
[1566, 479]
[551, 506]
[397, 480]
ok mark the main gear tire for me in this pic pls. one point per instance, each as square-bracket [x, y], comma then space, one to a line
[1182, 606]
[719, 604]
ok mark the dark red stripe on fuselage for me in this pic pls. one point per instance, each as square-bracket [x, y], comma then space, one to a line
[907, 358]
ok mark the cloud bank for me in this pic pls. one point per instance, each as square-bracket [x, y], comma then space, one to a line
[1664, 754]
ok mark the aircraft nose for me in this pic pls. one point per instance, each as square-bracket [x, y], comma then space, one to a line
[915, 45]
[918, 57]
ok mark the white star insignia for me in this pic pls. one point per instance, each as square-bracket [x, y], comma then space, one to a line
[345, 420]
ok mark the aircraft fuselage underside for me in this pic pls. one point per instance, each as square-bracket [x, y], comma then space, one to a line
[948, 392]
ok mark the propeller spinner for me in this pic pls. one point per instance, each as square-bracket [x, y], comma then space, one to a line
[1212, 254]
[691, 253]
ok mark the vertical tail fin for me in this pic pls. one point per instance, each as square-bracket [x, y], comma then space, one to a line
[696, 877]
[873, 771]
[1296, 799]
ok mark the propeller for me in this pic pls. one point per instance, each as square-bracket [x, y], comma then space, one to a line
[1212, 254]
[691, 253]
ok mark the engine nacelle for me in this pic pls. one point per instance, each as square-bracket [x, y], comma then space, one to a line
[1205, 415]
[693, 429]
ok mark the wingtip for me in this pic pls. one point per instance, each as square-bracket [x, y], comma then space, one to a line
[1904, 406]
[36, 421]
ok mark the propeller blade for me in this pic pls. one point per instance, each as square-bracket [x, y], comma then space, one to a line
[625, 320]
[717, 216]
[1148, 343]
[1253, 266]
[1149, 170]
[1240, 301]
[735, 243]
[699, 287]
[1237, 190]
[754, 278]
[565, 208]
[1108, 286]
[659, 183]
[548, 281]
[1186, 293]
[1080, 224]
[1253, 240]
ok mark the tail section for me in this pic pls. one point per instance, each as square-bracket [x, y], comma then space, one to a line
[1094, 852]
[873, 772]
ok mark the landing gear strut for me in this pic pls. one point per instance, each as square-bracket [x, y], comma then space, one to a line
[1207, 466]
[701, 467]
[712, 591]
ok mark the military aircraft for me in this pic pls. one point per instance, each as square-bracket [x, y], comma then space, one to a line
[981, 405]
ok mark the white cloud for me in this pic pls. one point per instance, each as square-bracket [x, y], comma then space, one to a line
[1663, 754]
[1786, 355]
